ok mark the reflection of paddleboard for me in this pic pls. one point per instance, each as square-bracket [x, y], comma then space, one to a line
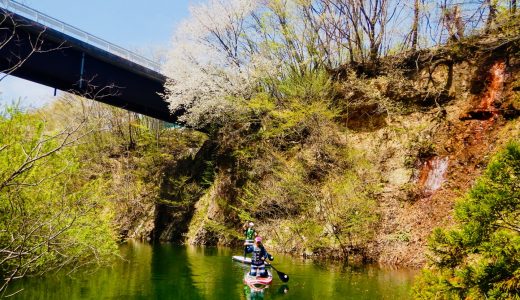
[241, 259]
[257, 280]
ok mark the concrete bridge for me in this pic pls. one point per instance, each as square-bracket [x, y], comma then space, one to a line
[39, 48]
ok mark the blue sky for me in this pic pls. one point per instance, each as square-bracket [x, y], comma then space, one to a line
[133, 24]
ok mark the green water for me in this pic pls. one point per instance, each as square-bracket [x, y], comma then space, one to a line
[173, 272]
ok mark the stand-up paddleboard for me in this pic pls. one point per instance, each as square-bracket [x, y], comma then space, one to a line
[257, 280]
[244, 260]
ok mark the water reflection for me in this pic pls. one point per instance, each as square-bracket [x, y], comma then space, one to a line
[170, 276]
[172, 272]
[254, 293]
[214, 274]
[132, 275]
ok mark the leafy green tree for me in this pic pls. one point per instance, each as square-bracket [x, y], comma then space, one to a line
[51, 215]
[480, 257]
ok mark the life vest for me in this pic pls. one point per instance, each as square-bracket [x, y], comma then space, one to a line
[250, 234]
[258, 254]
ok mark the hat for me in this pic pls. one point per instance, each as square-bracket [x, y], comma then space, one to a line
[251, 224]
[258, 239]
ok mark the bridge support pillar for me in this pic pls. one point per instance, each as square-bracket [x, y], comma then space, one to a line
[81, 71]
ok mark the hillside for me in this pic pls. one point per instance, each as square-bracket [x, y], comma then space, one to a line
[372, 178]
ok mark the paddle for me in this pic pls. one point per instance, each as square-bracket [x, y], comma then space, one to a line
[283, 277]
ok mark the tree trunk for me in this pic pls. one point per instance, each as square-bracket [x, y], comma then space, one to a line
[459, 25]
[374, 52]
[415, 25]
[492, 14]
[513, 7]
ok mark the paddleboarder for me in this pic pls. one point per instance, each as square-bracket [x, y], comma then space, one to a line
[258, 259]
[250, 234]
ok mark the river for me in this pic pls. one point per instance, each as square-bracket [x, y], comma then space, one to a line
[176, 272]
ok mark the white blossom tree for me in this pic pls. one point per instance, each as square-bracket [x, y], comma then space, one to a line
[209, 64]
[229, 49]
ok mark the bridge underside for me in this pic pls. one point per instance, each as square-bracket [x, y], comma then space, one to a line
[31, 51]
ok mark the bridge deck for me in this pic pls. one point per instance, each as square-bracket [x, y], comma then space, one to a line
[39, 53]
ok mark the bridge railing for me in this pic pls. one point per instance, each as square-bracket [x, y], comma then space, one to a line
[77, 33]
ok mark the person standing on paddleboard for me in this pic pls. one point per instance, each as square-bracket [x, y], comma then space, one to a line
[250, 234]
[258, 259]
